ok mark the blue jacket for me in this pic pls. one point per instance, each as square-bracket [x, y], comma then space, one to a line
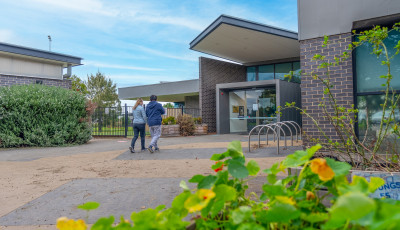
[139, 116]
[154, 110]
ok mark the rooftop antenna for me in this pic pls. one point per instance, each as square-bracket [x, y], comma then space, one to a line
[49, 37]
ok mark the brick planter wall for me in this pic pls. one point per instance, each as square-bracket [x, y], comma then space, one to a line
[170, 130]
[214, 72]
[6, 80]
[312, 90]
[201, 129]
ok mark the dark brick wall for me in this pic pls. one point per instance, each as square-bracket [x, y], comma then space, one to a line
[6, 80]
[214, 72]
[312, 90]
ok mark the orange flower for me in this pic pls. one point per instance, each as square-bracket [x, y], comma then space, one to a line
[220, 168]
[320, 167]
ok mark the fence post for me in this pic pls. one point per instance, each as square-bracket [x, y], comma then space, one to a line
[182, 110]
[126, 121]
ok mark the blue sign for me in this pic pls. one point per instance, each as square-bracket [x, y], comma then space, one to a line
[391, 188]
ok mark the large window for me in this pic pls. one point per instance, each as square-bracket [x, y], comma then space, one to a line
[274, 71]
[370, 93]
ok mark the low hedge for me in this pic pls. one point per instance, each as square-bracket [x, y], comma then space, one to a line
[38, 115]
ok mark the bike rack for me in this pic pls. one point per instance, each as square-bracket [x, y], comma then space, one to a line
[277, 128]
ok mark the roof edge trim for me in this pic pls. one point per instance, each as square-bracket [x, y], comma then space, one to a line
[226, 19]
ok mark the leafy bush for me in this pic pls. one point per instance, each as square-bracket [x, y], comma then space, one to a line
[186, 125]
[198, 120]
[220, 200]
[168, 121]
[38, 115]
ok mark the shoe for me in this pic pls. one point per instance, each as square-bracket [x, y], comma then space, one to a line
[150, 148]
[132, 150]
[143, 150]
[157, 149]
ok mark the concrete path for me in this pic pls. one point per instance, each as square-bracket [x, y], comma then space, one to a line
[41, 184]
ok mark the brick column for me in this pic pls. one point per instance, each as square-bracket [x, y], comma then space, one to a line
[214, 72]
[312, 90]
[6, 80]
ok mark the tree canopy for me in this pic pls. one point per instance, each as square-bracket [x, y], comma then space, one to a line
[102, 90]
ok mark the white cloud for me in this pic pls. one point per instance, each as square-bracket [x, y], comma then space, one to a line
[186, 57]
[90, 6]
[6, 36]
[113, 66]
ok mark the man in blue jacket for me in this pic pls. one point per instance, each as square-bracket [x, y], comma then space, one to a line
[154, 110]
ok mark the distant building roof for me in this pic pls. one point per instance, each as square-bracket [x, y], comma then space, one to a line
[40, 54]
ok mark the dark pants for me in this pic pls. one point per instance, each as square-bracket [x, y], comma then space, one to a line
[138, 128]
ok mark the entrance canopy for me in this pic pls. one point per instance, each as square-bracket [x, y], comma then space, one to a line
[246, 42]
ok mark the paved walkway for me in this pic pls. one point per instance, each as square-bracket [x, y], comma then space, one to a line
[41, 184]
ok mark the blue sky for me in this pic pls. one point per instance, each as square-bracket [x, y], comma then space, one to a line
[132, 42]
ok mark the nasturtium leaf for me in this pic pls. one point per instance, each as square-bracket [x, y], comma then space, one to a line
[274, 169]
[300, 157]
[207, 182]
[375, 183]
[352, 206]
[253, 168]
[314, 217]
[216, 207]
[183, 185]
[237, 170]
[89, 206]
[160, 207]
[180, 200]
[339, 168]
[223, 177]
[271, 178]
[263, 197]
[243, 213]
[235, 149]
[103, 223]
[217, 156]
[273, 190]
[250, 226]
[196, 178]
[282, 213]
[225, 192]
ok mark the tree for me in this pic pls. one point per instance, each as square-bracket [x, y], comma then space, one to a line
[101, 90]
[79, 85]
[169, 105]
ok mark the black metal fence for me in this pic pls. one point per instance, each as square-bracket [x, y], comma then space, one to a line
[117, 121]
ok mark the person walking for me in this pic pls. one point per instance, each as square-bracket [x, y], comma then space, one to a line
[139, 125]
[154, 110]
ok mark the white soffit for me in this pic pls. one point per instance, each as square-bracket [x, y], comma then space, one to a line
[246, 42]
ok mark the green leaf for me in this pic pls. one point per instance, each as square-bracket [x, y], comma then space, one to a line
[243, 213]
[352, 206]
[103, 223]
[237, 170]
[89, 206]
[300, 157]
[282, 213]
[253, 168]
[217, 206]
[271, 178]
[217, 156]
[217, 165]
[183, 185]
[375, 183]
[314, 217]
[225, 192]
[274, 190]
[250, 226]
[339, 168]
[235, 149]
[207, 182]
[180, 200]
[196, 178]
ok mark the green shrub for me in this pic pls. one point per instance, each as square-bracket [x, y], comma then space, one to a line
[186, 125]
[169, 121]
[37, 115]
[198, 120]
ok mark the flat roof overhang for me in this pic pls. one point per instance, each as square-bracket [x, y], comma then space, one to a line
[165, 91]
[36, 54]
[246, 42]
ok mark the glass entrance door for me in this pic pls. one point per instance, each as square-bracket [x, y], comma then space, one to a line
[251, 107]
